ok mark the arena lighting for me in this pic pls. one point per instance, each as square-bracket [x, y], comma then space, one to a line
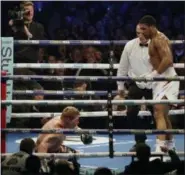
[38, 5]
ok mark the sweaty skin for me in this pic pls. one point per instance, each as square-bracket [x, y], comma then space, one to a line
[50, 142]
[161, 59]
[160, 53]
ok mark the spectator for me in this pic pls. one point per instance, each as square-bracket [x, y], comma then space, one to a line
[119, 107]
[22, 85]
[144, 166]
[29, 30]
[64, 167]
[61, 71]
[49, 85]
[41, 54]
[63, 85]
[27, 145]
[51, 59]
[91, 32]
[90, 57]
[62, 52]
[41, 59]
[178, 49]
[33, 165]
[36, 122]
[180, 169]
[98, 56]
[76, 56]
[102, 171]
[89, 54]
[15, 164]
[177, 25]
[100, 30]
[181, 72]
[83, 86]
[164, 22]
[119, 120]
[118, 33]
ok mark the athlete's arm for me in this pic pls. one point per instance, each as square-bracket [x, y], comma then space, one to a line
[123, 69]
[165, 54]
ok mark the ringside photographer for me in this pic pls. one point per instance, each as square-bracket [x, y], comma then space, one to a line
[23, 27]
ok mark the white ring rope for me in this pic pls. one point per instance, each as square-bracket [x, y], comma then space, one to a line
[90, 78]
[68, 92]
[74, 66]
[79, 42]
[89, 102]
[92, 155]
[92, 131]
[90, 114]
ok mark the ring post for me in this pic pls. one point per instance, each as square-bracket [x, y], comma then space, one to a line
[3, 113]
[109, 103]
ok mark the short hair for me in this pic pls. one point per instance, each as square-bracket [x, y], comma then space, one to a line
[102, 171]
[143, 151]
[64, 167]
[148, 20]
[27, 145]
[33, 164]
[79, 83]
[26, 3]
[69, 112]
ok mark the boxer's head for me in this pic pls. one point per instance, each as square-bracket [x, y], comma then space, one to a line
[147, 25]
[70, 117]
[140, 35]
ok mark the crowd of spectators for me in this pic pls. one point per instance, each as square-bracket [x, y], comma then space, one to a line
[92, 21]
[88, 21]
[25, 162]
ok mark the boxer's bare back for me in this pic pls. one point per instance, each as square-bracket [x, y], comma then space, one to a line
[160, 52]
[50, 141]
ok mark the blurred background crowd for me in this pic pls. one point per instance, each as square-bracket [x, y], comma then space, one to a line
[87, 21]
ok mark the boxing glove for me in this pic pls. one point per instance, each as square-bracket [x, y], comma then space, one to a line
[86, 139]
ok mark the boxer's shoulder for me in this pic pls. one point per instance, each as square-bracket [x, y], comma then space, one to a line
[160, 38]
[54, 122]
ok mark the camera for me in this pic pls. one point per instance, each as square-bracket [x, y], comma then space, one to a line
[17, 15]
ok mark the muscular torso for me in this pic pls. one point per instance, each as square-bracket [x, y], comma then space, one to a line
[50, 141]
[155, 58]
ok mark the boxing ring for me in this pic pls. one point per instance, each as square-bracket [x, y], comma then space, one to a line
[110, 146]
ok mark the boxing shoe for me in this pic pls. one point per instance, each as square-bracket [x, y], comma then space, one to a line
[162, 147]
